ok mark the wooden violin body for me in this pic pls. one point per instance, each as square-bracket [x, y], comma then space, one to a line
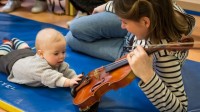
[102, 81]
[115, 75]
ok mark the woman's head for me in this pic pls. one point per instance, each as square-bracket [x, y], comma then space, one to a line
[157, 18]
[51, 45]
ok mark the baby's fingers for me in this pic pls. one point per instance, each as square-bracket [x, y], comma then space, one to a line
[73, 82]
[80, 75]
[76, 82]
[78, 78]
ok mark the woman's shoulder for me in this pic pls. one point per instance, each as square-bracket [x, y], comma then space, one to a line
[178, 8]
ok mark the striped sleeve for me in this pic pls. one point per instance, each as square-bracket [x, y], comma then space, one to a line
[178, 8]
[109, 7]
[166, 90]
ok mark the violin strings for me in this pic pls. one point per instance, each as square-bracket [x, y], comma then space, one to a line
[174, 44]
[115, 63]
[171, 44]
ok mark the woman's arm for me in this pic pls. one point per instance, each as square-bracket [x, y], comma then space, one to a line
[164, 86]
[166, 90]
[105, 7]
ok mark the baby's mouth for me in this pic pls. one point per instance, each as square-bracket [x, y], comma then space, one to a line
[60, 62]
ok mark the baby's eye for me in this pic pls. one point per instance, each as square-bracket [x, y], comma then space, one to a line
[64, 52]
[56, 54]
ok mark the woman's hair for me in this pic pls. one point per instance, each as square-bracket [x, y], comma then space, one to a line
[164, 22]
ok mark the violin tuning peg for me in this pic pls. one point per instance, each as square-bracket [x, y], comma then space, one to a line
[186, 39]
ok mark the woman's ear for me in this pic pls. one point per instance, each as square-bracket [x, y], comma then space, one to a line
[146, 21]
[40, 53]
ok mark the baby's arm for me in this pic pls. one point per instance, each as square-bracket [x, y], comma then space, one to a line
[71, 77]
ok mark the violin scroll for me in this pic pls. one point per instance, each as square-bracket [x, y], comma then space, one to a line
[185, 43]
[186, 39]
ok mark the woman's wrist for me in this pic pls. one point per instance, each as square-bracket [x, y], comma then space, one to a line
[147, 77]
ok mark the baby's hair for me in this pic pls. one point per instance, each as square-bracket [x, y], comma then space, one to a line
[46, 36]
[163, 21]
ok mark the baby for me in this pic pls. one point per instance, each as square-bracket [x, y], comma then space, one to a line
[45, 68]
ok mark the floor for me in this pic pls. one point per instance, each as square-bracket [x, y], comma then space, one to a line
[47, 17]
[61, 20]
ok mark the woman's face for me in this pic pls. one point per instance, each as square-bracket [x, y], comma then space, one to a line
[140, 28]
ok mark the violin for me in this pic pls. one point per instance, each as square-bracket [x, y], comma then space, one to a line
[115, 75]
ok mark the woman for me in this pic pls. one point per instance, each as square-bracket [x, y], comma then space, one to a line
[147, 22]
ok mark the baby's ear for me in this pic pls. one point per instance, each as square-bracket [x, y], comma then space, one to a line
[40, 53]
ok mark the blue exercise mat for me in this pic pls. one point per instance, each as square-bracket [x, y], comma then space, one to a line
[43, 99]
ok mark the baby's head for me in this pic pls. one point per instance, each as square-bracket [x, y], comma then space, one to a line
[51, 46]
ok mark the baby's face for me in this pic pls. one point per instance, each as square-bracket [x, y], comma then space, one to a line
[55, 53]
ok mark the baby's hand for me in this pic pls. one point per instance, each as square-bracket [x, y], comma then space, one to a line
[75, 80]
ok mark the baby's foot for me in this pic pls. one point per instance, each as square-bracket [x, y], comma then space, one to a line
[19, 44]
[7, 41]
[6, 47]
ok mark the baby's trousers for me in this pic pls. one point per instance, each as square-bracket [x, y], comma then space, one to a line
[8, 60]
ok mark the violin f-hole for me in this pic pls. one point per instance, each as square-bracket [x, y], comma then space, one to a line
[97, 84]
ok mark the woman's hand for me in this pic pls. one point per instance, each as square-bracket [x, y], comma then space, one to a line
[141, 64]
[98, 9]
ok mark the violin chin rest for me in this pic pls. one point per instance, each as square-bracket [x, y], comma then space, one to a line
[73, 92]
[74, 88]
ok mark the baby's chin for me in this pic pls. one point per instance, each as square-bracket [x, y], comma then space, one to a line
[55, 66]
